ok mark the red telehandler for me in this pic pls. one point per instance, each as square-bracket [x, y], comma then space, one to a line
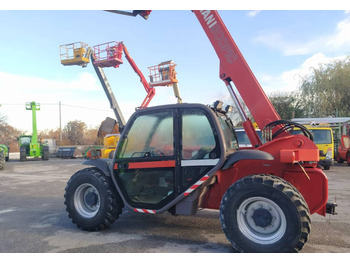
[183, 157]
[343, 153]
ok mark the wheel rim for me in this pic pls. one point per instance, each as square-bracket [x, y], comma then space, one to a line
[261, 220]
[87, 200]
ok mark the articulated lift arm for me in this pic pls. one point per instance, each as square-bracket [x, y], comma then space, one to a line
[107, 88]
[109, 93]
[150, 90]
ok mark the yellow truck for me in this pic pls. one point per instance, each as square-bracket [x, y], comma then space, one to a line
[323, 138]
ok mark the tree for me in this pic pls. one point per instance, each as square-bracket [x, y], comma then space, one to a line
[287, 105]
[90, 137]
[9, 134]
[74, 132]
[325, 92]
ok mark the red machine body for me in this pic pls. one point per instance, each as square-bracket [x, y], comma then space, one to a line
[289, 151]
[344, 150]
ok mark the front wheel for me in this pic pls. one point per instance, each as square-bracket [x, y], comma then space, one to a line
[2, 160]
[45, 153]
[92, 200]
[348, 159]
[327, 167]
[263, 213]
[22, 153]
[339, 159]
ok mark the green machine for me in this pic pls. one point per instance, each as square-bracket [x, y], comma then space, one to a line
[29, 146]
[4, 155]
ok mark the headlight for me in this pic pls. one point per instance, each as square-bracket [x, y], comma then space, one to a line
[329, 153]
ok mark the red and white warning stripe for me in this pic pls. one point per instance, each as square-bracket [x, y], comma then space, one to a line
[148, 211]
[197, 184]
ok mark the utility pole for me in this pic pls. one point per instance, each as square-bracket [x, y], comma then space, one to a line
[59, 104]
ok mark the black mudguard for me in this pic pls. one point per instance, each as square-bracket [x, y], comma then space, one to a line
[103, 164]
[250, 154]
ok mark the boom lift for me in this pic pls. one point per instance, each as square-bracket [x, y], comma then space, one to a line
[110, 55]
[183, 157]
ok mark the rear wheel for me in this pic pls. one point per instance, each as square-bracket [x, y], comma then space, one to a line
[91, 199]
[348, 159]
[263, 213]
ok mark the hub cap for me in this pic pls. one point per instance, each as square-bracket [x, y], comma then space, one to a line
[261, 220]
[87, 200]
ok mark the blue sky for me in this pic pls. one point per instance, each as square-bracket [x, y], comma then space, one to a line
[279, 46]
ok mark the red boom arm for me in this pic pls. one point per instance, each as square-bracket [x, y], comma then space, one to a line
[150, 90]
[233, 67]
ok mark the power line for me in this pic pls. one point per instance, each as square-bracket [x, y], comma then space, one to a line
[84, 107]
[56, 104]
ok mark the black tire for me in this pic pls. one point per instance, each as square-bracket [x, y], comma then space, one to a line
[327, 167]
[91, 200]
[7, 158]
[45, 155]
[339, 159]
[22, 153]
[264, 213]
[2, 160]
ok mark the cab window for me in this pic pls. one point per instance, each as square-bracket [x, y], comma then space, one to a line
[150, 135]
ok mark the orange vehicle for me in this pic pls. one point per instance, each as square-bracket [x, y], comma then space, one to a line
[184, 157]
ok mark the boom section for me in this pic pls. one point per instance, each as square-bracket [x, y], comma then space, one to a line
[109, 93]
[150, 90]
[233, 67]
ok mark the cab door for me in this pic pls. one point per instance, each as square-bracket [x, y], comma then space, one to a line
[200, 150]
[146, 160]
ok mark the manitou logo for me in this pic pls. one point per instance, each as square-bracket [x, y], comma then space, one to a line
[209, 18]
[219, 36]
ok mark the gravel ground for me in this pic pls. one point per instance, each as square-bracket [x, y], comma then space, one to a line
[33, 218]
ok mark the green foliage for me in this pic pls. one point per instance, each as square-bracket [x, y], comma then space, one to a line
[287, 105]
[74, 131]
[323, 93]
[326, 91]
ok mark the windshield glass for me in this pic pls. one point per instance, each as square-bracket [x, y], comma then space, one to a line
[243, 139]
[229, 133]
[25, 140]
[321, 136]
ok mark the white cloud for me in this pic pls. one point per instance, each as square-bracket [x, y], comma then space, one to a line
[342, 35]
[84, 92]
[13, 83]
[81, 98]
[335, 41]
[290, 81]
[253, 13]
